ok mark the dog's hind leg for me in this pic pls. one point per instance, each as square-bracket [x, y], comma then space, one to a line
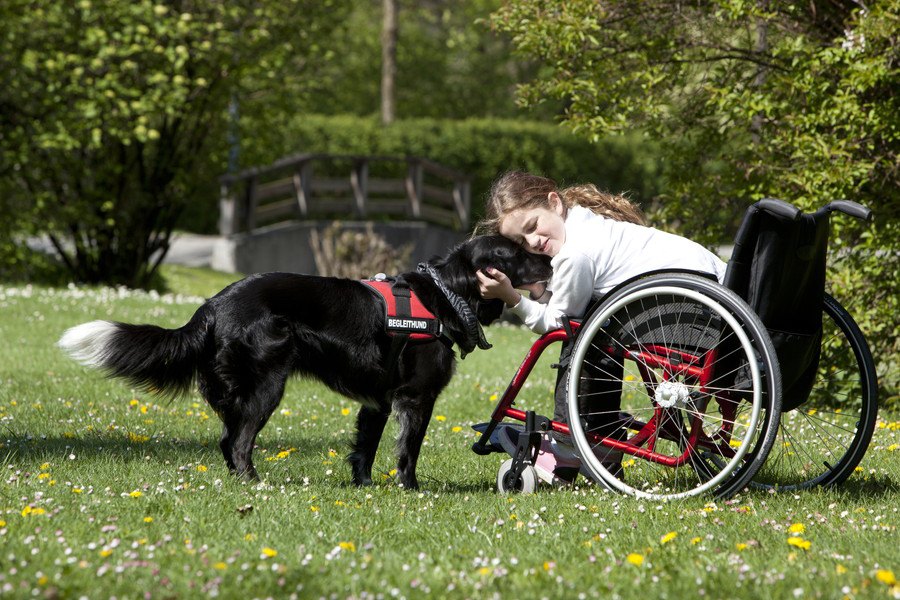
[413, 414]
[254, 414]
[226, 441]
[370, 424]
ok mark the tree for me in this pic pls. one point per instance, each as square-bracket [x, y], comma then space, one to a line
[797, 100]
[388, 60]
[109, 111]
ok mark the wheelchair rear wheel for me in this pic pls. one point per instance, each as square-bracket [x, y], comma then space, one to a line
[823, 440]
[701, 389]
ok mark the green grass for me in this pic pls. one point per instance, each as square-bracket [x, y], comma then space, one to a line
[106, 491]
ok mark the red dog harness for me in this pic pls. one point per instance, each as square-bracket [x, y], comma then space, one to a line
[405, 315]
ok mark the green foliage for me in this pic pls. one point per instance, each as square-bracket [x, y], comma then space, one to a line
[109, 110]
[795, 100]
[483, 148]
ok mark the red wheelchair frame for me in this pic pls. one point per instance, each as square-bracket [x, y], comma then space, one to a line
[646, 433]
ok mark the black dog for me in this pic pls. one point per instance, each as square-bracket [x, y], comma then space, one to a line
[243, 344]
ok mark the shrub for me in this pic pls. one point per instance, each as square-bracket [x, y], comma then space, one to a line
[355, 254]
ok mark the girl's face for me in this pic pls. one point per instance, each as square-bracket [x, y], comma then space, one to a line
[540, 230]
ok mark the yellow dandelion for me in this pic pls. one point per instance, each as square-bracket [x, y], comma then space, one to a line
[668, 537]
[484, 571]
[345, 411]
[202, 468]
[695, 540]
[136, 494]
[456, 429]
[886, 577]
[840, 569]
[220, 566]
[799, 542]
[740, 546]
[269, 552]
[314, 508]
[635, 559]
[893, 447]
[250, 537]
[2, 524]
[105, 552]
[348, 546]
[493, 397]
[440, 418]
[45, 466]
[44, 476]
[797, 528]
[148, 519]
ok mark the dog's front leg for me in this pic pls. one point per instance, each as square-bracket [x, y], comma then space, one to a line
[413, 415]
[370, 424]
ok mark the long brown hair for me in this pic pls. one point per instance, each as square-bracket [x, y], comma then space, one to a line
[517, 190]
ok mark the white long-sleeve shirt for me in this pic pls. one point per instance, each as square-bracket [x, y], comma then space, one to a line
[600, 253]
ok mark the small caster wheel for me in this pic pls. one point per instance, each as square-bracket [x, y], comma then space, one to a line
[507, 482]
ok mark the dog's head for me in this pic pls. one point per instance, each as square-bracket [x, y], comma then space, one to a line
[458, 270]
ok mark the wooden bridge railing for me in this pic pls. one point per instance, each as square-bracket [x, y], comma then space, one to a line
[360, 187]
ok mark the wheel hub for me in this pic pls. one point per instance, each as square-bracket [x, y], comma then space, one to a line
[672, 393]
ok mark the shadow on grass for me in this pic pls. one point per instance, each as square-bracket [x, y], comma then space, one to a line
[173, 450]
[869, 487]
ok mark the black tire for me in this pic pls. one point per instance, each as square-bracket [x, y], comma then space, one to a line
[735, 412]
[822, 441]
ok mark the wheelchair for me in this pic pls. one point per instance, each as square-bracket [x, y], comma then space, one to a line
[765, 381]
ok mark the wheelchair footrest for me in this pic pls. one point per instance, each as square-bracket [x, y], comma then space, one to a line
[493, 444]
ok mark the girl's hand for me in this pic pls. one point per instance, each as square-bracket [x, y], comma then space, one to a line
[495, 284]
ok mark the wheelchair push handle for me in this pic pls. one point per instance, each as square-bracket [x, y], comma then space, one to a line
[849, 207]
[779, 208]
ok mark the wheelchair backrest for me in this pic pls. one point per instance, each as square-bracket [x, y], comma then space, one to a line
[778, 268]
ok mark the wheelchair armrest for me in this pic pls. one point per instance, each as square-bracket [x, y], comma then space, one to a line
[851, 208]
[779, 208]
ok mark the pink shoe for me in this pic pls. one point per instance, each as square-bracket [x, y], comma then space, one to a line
[556, 463]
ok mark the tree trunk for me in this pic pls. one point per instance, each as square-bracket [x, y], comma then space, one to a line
[388, 60]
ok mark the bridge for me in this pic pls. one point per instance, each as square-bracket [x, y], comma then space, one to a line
[267, 214]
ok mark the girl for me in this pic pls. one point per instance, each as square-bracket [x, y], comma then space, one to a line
[595, 241]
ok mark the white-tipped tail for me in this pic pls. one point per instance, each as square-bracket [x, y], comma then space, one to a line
[88, 343]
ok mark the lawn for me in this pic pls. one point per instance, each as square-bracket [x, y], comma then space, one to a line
[112, 492]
